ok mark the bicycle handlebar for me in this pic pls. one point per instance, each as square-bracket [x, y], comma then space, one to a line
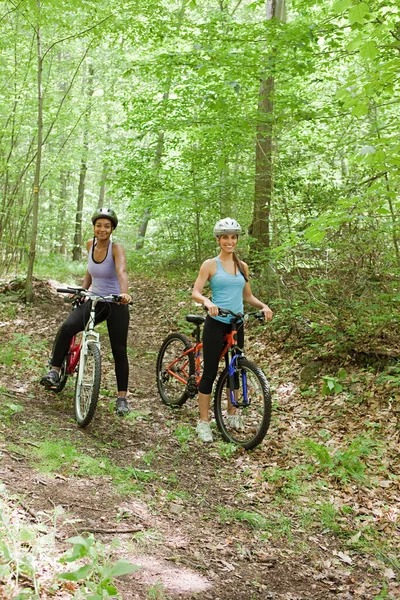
[82, 292]
[224, 312]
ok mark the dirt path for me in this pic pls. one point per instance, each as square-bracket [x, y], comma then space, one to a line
[189, 511]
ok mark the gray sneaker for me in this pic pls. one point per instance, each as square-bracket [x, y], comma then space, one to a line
[235, 421]
[204, 432]
[51, 379]
[121, 406]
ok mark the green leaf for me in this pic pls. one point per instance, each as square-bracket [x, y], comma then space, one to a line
[314, 235]
[358, 12]
[369, 50]
[81, 573]
[360, 110]
[341, 6]
[221, 163]
[122, 567]
[355, 43]
[81, 541]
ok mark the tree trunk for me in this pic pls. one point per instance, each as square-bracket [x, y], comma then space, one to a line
[260, 226]
[77, 250]
[35, 209]
[103, 182]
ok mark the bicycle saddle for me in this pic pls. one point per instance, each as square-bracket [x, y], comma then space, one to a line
[195, 319]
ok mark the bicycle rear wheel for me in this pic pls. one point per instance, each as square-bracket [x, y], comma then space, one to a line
[87, 386]
[174, 369]
[253, 411]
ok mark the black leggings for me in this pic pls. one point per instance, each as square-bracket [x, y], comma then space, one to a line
[213, 343]
[117, 316]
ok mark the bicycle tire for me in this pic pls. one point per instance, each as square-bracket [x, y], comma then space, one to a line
[87, 385]
[174, 392]
[255, 417]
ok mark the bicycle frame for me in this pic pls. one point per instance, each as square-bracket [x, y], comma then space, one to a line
[230, 340]
[88, 335]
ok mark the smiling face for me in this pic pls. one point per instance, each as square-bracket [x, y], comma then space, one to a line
[103, 228]
[227, 242]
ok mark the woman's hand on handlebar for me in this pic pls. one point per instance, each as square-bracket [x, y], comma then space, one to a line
[267, 312]
[212, 308]
[125, 298]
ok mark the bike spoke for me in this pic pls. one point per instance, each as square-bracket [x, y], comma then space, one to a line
[174, 369]
[246, 423]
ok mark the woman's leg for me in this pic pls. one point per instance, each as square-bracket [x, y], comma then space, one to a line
[74, 323]
[213, 340]
[117, 324]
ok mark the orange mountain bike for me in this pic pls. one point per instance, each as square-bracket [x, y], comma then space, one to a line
[242, 398]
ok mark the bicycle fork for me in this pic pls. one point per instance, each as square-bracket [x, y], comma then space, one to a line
[234, 372]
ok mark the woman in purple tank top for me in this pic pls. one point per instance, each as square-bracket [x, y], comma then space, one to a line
[229, 281]
[106, 274]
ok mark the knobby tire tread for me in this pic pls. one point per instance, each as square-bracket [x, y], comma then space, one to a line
[84, 420]
[185, 343]
[220, 399]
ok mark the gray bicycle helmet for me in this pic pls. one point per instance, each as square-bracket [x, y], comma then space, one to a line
[105, 213]
[227, 226]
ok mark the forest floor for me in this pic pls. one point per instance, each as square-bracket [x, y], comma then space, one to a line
[311, 514]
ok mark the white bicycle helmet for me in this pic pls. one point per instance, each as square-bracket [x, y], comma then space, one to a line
[227, 226]
[106, 213]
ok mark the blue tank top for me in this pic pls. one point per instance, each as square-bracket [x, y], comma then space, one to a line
[227, 291]
[104, 274]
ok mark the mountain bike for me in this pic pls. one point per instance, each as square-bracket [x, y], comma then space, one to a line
[247, 397]
[84, 358]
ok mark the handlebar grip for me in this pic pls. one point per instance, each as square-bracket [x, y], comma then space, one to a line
[68, 290]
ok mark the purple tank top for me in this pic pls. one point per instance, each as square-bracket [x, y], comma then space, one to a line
[104, 274]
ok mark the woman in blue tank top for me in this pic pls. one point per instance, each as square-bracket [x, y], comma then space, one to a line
[230, 287]
[105, 275]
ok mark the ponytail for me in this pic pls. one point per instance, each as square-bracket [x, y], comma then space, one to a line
[239, 266]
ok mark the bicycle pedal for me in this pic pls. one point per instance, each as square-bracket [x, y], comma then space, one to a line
[191, 386]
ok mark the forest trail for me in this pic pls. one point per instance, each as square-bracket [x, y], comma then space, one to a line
[203, 521]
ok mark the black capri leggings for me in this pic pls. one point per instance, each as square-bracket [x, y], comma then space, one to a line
[117, 316]
[213, 343]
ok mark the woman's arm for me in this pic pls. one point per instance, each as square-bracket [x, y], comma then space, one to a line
[207, 270]
[120, 266]
[87, 280]
[249, 297]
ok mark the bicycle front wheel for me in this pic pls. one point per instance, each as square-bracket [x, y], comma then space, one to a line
[174, 368]
[245, 424]
[87, 386]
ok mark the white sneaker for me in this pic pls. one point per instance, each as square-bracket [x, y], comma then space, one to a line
[235, 421]
[204, 432]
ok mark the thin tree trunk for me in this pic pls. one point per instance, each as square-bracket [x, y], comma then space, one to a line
[35, 209]
[77, 250]
[103, 182]
[260, 226]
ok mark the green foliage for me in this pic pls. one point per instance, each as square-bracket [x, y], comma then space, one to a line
[56, 456]
[98, 572]
[332, 384]
[226, 450]
[184, 434]
[8, 409]
[344, 465]
[22, 352]
[288, 483]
